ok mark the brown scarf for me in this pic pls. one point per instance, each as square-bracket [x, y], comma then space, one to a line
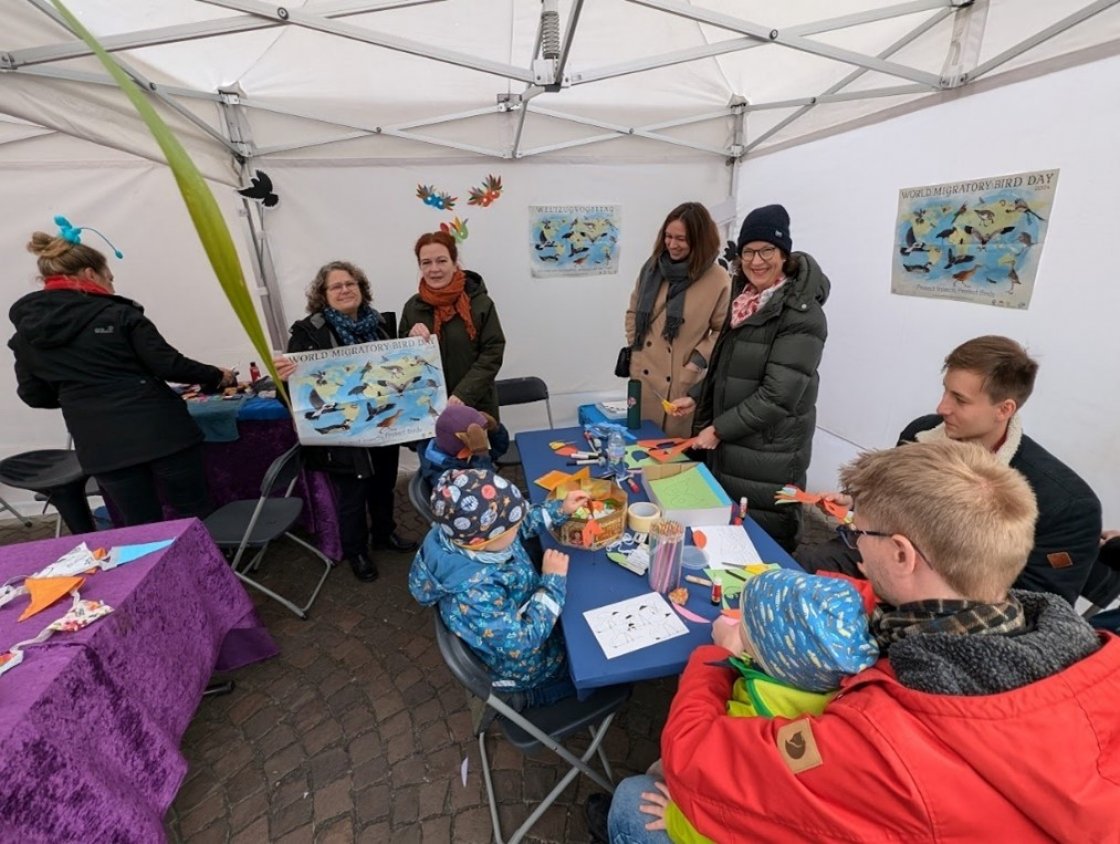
[449, 301]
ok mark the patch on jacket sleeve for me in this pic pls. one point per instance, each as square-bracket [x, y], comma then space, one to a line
[1059, 560]
[797, 746]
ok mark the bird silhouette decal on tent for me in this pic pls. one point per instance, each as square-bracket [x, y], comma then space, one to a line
[260, 189]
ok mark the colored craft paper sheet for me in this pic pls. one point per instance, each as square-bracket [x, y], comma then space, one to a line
[553, 479]
[122, 554]
[685, 491]
[639, 456]
[45, 591]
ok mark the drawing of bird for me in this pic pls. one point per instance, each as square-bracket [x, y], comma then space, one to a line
[1014, 276]
[951, 259]
[456, 228]
[984, 238]
[944, 233]
[441, 201]
[329, 429]
[960, 211]
[390, 421]
[260, 189]
[1021, 205]
[1026, 239]
[320, 377]
[986, 217]
[964, 276]
[917, 268]
[912, 243]
[372, 410]
[920, 216]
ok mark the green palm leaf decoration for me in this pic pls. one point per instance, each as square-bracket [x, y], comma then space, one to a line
[201, 205]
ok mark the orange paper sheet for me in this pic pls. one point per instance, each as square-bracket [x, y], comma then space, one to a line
[44, 591]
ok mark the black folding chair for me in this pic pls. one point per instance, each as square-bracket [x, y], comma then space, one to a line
[1103, 585]
[255, 523]
[512, 391]
[58, 480]
[420, 495]
[528, 731]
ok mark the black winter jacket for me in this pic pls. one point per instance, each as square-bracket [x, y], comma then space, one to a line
[761, 396]
[314, 333]
[105, 364]
[1067, 534]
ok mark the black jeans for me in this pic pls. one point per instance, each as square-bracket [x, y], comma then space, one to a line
[135, 490]
[365, 505]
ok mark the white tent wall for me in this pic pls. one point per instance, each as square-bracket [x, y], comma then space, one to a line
[565, 330]
[135, 203]
[882, 361]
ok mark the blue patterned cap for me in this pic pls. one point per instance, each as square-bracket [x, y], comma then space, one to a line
[806, 630]
[474, 506]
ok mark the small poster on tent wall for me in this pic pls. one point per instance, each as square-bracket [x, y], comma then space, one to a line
[974, 241]
[371, 394]
[568, 240]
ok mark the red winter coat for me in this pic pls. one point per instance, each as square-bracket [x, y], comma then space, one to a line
[1036, 763]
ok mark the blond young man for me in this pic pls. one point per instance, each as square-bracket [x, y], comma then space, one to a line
[991, 715]
[987, 380]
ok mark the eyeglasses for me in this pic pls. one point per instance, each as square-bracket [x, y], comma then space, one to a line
[851, 536]
[346, 285]
[765, 253]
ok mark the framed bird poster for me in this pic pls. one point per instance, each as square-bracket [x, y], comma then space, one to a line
[372, 394]
[571, 240]
[973, 241]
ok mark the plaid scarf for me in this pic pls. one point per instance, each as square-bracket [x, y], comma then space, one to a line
[955, 617]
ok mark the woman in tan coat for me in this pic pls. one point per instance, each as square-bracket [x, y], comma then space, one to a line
[676, 312]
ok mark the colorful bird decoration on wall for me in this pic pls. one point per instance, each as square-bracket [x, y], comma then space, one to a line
[429, 196]
[456, 228]
[489, 192]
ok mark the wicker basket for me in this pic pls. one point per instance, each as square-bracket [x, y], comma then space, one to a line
[574, 533]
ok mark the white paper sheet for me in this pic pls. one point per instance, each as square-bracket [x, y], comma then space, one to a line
[728, 545]
[633, 624]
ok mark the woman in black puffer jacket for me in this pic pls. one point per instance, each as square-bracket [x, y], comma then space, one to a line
[757, 410]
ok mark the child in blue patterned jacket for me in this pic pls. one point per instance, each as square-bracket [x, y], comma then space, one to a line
[473, 565]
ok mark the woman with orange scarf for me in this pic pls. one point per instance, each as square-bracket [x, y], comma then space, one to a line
[453, 305]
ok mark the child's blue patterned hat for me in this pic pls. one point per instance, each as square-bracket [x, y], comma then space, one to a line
[475, 506]
[806, 630]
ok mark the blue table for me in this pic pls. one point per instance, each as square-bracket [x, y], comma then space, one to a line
[594, 581]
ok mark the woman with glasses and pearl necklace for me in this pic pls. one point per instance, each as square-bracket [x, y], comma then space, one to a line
[757, 408]
[341, 314]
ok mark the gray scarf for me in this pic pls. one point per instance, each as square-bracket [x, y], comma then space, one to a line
[674, 272]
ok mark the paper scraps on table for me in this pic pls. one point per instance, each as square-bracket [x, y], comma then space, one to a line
[633, 624]
[689, 615]
[726, 545]
[790, 494]
[734, 579]
[80, 614]
[665, 455]
[552, 480]
[77, 560]
[45, 591]
[121, 554]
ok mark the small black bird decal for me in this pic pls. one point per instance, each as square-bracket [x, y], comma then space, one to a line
[951, 259]
[260, 189]
[730, 255]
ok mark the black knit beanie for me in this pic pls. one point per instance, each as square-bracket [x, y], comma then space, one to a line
[770, 223]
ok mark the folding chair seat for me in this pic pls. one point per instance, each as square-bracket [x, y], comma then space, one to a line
[420, 495]
[1103, 584]
[57, 478]
[514, 391]
[255, 524]
[534, 728]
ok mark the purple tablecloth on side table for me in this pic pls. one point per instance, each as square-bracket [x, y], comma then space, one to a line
[90, 722]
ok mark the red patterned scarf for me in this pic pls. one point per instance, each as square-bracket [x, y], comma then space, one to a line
[66, 282]
[747, 303]
[449, 301]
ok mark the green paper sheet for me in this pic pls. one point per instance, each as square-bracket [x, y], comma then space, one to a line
[686, 490]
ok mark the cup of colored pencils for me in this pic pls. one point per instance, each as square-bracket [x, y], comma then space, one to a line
[666, 547]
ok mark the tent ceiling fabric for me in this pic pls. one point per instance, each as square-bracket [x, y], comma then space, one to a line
[392, 79]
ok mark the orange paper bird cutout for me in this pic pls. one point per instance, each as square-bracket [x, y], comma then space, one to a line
[790, 494]
[44, 591]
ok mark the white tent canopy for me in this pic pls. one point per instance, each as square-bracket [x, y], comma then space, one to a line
[349, 104]
[606, 79]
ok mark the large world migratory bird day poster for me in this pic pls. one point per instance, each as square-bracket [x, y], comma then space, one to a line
[373, 394]
[973, 241]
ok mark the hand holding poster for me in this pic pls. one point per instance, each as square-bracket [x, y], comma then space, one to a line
[373, 394]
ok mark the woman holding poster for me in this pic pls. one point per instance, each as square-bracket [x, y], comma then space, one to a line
[452, 304]
[341, 314]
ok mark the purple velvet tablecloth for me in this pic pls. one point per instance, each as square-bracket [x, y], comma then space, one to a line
[90, 722]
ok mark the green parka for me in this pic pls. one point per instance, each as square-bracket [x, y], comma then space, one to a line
[470, 367]
[761, 396]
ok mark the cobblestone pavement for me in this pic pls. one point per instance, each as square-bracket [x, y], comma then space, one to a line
[357, 732]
